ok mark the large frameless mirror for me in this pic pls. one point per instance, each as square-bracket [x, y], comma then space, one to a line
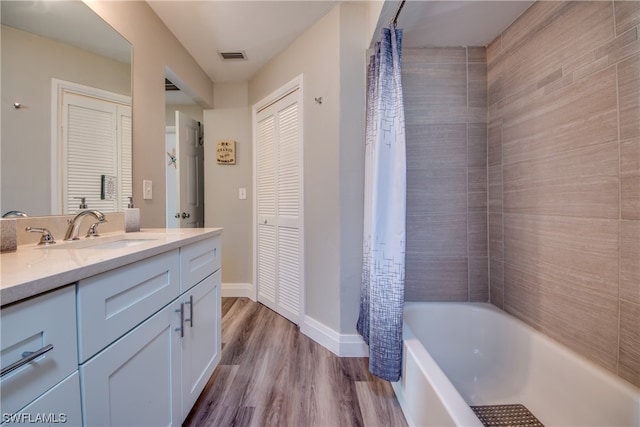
[66, 110]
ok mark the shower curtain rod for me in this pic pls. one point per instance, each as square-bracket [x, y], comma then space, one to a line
[394, 21]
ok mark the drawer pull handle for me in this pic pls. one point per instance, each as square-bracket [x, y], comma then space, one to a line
[190, 319]
[27, 356]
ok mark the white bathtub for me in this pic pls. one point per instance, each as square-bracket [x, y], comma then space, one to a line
[461, 354]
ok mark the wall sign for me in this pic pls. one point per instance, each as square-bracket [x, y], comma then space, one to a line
[226, 152]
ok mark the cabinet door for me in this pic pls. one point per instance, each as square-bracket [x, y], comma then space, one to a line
[136, 380]
[201, 345]
[58, 406]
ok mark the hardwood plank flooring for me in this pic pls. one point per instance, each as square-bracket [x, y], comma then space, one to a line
[270, 374]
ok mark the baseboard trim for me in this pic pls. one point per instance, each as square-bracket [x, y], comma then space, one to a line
[343, 345]
[237, 290]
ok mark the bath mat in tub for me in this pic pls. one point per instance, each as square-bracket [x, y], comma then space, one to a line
[506, 416]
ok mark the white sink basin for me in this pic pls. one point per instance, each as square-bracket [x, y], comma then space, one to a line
[119, 244]
[101, 243]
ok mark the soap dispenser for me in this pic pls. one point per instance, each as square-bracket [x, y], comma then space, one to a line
[131, 217]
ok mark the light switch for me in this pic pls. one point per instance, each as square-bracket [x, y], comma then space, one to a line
[242, 193]
[147, 189]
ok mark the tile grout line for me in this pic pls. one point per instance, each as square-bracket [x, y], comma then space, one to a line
[615, 24]
[617, 65]
[619, 210]
[466, 52]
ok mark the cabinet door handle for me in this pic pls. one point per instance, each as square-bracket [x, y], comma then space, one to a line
[27, 357]
[190, 319]
[190, 303]
[181, 311]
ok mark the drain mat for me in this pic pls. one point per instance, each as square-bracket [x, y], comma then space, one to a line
[506, 416]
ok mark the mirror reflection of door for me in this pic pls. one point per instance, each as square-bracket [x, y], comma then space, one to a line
[173, 214]
[93, 146]
[185, 175]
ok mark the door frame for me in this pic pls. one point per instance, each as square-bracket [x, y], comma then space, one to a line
[295, 84]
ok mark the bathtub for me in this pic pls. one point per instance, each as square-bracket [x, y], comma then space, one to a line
[461, 354]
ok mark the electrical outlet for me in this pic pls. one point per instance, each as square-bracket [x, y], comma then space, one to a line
[147, 189]
[242, 193]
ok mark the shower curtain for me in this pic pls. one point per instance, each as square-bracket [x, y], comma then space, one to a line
[382, 291]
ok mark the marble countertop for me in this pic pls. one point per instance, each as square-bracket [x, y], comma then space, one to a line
[34, 269]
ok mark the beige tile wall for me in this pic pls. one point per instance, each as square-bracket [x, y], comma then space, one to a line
[445, 94]
[564, 176]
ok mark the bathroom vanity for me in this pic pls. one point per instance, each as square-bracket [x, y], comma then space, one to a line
[122, 330]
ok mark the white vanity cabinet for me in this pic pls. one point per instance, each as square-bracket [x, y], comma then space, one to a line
[47, 386]
[145, 359]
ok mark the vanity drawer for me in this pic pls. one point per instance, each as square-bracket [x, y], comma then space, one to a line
[112, 303]
[198, 260]
[29, 326]
[59, 405]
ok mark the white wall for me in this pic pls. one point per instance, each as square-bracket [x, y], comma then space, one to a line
[374, 10]
[353, 59]
[230, 119]
[155, 48]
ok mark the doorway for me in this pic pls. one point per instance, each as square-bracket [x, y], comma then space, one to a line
[184, 158]
[185, 174]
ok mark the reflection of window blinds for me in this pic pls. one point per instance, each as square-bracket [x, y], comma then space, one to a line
[124, 138]
[96, 132]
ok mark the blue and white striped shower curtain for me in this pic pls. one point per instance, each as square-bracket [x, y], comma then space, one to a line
[382, 292]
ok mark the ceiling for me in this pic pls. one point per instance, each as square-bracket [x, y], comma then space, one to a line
[264, 28]
[454, 23]
[261, 29]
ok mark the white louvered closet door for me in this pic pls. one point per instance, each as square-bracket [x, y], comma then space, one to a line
[279, 202]
[101, 131]
[266, 201]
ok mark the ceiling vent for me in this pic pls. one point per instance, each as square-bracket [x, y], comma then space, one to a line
[233, 56]
[168, 85]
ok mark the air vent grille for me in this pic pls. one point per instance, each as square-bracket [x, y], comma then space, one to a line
[168, 85]
[233, 56]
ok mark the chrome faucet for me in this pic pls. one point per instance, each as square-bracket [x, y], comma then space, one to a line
[74, 224]
[14, 213]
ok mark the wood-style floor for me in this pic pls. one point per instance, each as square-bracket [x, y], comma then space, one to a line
[270, 374]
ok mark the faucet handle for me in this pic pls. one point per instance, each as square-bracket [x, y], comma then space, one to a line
[83, 203]
[93, 229]
[46, 238]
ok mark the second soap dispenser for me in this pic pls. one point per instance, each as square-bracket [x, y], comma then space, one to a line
[131, 217]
